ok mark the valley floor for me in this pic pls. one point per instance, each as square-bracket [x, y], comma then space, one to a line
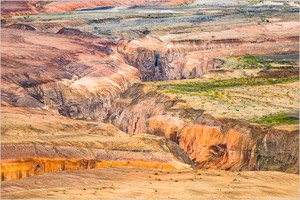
[137, 183]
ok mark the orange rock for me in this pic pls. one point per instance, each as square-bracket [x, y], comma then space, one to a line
[165, 125]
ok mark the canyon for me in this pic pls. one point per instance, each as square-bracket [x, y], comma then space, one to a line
[173, 88]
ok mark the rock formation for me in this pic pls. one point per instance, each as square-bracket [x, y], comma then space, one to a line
[49, 143]
[240, 147]
[169, 60]
[213, 143]
[77, 77]
[73, 31]
[22, 26]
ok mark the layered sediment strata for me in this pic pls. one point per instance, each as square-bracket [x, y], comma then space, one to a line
[192, 58]
[36, 159]
[76, 76]
[48, 143]
[187, 48]
[241, 146]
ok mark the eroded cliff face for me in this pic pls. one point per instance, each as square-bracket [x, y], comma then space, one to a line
[240, 147]
[131, 111]
[162, 61]
[25, 160]
[279, 150]
[212, 143]
[166, 59]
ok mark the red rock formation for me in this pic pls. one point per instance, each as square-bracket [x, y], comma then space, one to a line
[201, 143]
[74, 75]
[27, 7]
[240, 147]
[166, 125]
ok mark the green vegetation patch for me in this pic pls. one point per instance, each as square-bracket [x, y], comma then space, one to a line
[253, 62]
[197, 87]
[278, 119]
[253, 2]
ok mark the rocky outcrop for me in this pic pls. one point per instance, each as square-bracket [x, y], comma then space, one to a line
[22, 26]
[278, 150]
[74, 31]
[280, 73]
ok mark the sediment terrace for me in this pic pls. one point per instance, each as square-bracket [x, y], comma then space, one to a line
[40, 142]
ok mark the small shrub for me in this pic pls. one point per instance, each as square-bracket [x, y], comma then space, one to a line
[253, 2]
